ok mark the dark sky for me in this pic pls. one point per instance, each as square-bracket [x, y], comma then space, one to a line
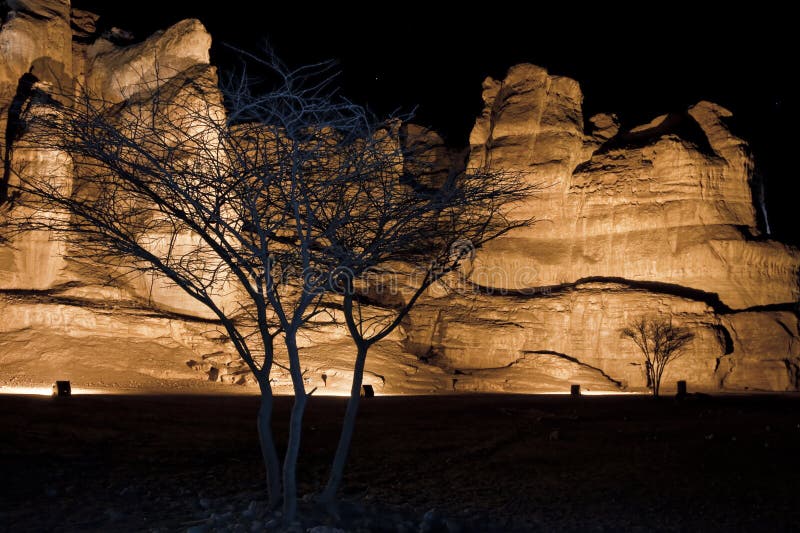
[638, 65]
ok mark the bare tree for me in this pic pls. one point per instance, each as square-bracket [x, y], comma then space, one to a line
[427, 247]
[661, 343]
[265, 207]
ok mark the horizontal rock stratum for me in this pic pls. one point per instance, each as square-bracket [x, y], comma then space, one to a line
[658, 218]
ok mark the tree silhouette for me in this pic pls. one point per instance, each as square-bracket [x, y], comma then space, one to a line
[268, 207]
[661, 342]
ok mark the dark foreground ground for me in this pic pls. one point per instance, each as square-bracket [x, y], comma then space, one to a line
[117, 463]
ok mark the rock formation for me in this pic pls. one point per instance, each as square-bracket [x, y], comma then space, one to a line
[116, 74]
[669, 201]
[36, 45]
[655, 219]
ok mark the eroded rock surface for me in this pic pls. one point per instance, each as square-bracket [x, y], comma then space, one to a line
[657, 219]
[117, 73]
[653, 219]
[669, 201]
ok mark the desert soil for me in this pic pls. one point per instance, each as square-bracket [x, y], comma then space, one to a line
[504, 463]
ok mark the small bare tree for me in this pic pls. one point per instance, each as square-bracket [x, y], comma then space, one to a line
[265, 207]
[661, 342]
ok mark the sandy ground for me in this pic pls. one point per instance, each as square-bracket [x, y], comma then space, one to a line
[525, 463]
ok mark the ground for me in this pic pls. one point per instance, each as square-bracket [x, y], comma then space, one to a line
[488, 462]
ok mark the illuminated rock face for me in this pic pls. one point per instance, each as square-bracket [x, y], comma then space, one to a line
[38, 48]
[669, 201]
[658, 219]
[36, 37]
[580, 324]
[35, 49]
[117, 74]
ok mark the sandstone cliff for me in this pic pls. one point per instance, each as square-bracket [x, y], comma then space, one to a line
[669, 201]
[658, 218]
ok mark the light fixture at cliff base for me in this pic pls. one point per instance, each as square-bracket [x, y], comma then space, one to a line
[62, 389]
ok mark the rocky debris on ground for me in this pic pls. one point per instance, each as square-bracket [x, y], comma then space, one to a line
[247, 512]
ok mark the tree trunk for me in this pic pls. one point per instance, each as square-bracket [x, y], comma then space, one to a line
[295, 430]
[656, 384]
[348, 426]
[268, 451]
[290, 460]
[651, 377]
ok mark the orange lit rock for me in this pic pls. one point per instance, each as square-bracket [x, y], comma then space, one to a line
[663, 211]
[37, 50]
[117, 73]
[659, 218]
[669, 201]
[544, 340]
[79, 334]
[765, 355]
[577, 327]
[35, 39]
[36, 260]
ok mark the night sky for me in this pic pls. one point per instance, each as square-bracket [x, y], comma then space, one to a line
[406, 55]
